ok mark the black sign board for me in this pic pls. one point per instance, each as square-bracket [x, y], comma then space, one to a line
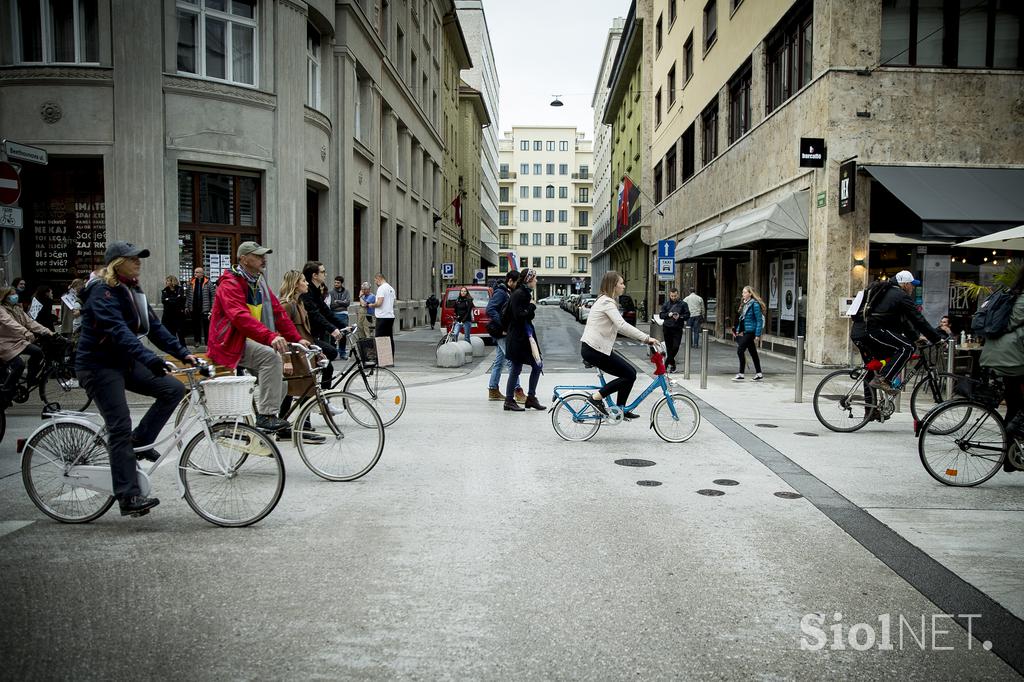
[847, 187]
[812, 152]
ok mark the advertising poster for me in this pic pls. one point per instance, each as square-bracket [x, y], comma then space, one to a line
[935, 282]
[773, 285]
[788, 290]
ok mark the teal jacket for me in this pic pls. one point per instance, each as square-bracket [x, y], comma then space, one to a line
[1005, 355]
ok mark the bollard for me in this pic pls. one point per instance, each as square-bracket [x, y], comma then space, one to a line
[950, 352]
[798, 385]
[704, 358]
[686, 360]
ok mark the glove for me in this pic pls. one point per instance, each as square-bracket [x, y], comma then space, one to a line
[157, 367]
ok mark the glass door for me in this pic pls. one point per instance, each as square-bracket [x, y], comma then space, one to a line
[217, 254]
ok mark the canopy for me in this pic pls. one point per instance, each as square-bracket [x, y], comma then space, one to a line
[785, 219]
[1012, 239]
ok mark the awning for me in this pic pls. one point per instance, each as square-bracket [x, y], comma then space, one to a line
[1012, 240]
[783, 220]
[912, 239]
[957, 202]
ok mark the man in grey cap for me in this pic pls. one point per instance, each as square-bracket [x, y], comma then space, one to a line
[249, 328]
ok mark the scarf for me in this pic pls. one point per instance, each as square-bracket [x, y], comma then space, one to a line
[258, 296]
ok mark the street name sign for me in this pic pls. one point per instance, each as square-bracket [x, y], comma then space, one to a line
[23, 152]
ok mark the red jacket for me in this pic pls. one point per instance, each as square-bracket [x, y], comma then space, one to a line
[231, 323]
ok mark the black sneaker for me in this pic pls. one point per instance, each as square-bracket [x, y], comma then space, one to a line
[598, 405]
[310, 438]
[150, 455]
[137, 505]
[630, 415]
[268, 422]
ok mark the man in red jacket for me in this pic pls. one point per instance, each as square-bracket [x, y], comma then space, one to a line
[249, 328]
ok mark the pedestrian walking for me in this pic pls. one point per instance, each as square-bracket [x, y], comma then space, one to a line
[747, 332]
[696, 305]
[41, 309]
[365, 319]
[597, 347]
[522, 346]
[339, 301]
[71, 309]
[432, 305]
[199, 296]
[463, 308]
[497, 329]
[172, 297]
[384, 310]
[676, 315]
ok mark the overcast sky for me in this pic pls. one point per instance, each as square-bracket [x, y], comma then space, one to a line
[549, 47]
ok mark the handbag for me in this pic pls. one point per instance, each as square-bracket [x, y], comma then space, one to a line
[300, 381]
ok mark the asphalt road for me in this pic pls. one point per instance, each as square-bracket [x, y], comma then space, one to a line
[480, 547]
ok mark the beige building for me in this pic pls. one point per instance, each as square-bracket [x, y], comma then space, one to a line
[317, 127]
[917, 133]
[545, 205]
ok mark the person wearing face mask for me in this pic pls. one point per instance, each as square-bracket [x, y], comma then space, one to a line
[21, 288]
[111, 360]
[18, 336]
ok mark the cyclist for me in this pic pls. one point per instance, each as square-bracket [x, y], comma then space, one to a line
[891, 323]
[18, 334]
[249, 328]
[1004, 355]
[112, 359]
[603, 325]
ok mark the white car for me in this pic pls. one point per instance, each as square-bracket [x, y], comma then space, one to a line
[584, 311]
[550, 300]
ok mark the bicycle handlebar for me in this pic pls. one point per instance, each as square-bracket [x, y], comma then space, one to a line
[201, 367]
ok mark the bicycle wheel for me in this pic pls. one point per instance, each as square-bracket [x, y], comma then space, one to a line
[383, 389]
[678, 427]
[966, 446]
[929, 392]
[60, 385]
[44, 466]
[236, 478]
[839, 402]
[340, 439]
[574, 418]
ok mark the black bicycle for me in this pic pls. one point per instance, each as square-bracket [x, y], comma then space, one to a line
[379, 385]
[56, 383]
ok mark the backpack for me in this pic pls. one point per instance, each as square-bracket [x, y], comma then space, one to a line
[506, 315]
[496, 318]
[993, 317]
[871, 296]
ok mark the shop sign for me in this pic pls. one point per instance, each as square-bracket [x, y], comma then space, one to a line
[847, 187]
[812, 152]
[788, 289]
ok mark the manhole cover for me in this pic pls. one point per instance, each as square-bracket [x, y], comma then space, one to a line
[768, 426]
[725, 481]
[711, 493]
[788, 495]
[805, 433]
[648, 484]
[634, 462]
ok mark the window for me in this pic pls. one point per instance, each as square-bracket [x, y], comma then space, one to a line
[551, 145]
[536, 191]
[549, 217]
[524, 145]
[688, 58]
[536, 261]
[538, 145]
[670, 170]
[549, 192]
[689, 152]
[549, 238]
[538, 169]
[216, 212]
[670, 85]
[983, 34]
[563, 192]
[710, 23]
[584, 172]
[504, 241]
[503, 195]
[563, 238]
[56, 32]
[658, 196]
[503, 171]
[524, 191]
[739, 103]
[563, 262]
[524, 169]
[503, 219]
[657, 35]
[671, 13]
[502, 264]
[549, 169]
[709, 129]
[657, 108]
[217, 41]
[563, 217]
[563, 169]
[536, 219]
[549, 262]
[524, 216]
[524, 262]
[312, 67]
[581, 263]
[584, 219]
[524, 239]
[581, 244]
[788, 50]
[584, 196]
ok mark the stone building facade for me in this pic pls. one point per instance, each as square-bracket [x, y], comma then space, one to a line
[315, 127]
[604, 184]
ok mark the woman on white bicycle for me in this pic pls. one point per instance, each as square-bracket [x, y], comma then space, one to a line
[604, 324]
[111, 359]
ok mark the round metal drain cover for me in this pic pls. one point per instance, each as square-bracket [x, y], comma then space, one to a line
[725, 481]
[634, 462]
[768, 426]
[786, 495]
[711, 493]
[805, 433]
[649, 484]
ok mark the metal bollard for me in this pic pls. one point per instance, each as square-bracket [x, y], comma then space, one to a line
[704, 358]
[798, 385]
[686, 360]
[950, 353]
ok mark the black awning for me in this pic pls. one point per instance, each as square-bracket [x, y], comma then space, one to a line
[957, 202]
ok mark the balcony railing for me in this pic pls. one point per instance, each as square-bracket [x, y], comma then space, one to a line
[507, 175]
[581, 176]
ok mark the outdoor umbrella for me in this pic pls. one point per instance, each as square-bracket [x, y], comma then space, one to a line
[1012, 239]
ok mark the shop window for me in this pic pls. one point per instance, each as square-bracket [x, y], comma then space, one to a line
[216, 212]
[56, 32]
[217, 39]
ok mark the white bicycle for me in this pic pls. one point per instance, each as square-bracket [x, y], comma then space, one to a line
[229, 473]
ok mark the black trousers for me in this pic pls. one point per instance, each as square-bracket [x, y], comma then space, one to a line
[200, 327]
[745, 342]
[175, 324]
[433, 317]
[107, 389]
[673, 337]
[385, 327]
[17, 365]
[617, 366]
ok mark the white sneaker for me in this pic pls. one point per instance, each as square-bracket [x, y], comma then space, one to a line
[758, 376]
[738, 377]
[335, 410]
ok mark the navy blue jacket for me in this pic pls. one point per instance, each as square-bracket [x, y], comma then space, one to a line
[499, 297]
[110, 323]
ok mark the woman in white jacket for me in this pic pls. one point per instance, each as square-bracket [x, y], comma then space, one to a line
[604, 323]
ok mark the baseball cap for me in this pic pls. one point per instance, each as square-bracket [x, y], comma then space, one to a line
[246, 248]
[907, 277]
[117, 250]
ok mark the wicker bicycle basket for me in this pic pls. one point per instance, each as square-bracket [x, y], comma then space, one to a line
[229, 396]
[368, 352]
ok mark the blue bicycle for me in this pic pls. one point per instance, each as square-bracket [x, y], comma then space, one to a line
[675, 418]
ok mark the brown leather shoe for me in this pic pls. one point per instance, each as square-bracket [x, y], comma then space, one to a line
[520, 396]
[513, 406]
[494, 394]
[532, 401]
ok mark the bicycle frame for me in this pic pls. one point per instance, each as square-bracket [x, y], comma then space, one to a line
[659, 382]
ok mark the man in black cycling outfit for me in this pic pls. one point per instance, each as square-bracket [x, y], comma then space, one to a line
[891, 323]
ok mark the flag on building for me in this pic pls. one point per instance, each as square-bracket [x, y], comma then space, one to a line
[627, 212]
[457, 203]
[513, 260]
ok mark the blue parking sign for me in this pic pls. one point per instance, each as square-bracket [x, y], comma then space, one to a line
[447, 270]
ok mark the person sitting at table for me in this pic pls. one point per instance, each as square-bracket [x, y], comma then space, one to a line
[943, 329]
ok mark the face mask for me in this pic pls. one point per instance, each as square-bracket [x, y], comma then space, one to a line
[13, 298]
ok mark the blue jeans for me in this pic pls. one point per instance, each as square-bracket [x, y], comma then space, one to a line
[513, 378]
[341, 321]
[499, 362]
[696, 322]
[466, 327]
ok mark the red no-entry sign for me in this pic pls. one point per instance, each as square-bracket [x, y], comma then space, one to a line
[10, 184]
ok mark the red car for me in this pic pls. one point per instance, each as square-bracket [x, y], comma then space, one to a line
[481, 297]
